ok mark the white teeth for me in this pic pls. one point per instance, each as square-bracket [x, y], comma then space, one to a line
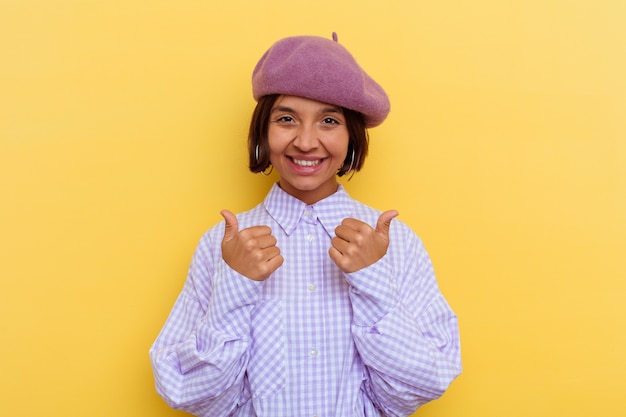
[303, 163]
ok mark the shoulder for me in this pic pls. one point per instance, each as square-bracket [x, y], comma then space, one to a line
[404, 243]
[253, 217]
[370, 215]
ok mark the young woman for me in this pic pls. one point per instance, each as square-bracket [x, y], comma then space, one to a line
[310, 304]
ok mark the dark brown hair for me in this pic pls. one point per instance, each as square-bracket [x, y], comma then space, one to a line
[257, 136]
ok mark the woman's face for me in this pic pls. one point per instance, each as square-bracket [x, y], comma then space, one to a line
[308, 143]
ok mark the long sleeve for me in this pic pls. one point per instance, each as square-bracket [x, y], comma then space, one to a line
[404, 330]
[200, 357]
[309, 340]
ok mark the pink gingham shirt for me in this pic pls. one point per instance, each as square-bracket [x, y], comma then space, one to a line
[310, 340]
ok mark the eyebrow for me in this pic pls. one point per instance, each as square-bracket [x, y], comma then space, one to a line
[290, 110]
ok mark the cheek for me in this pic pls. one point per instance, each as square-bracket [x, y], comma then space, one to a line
[274, 143]
[340, 147]
[276, 149]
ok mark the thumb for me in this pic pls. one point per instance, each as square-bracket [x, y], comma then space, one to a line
[232, 226]
[384, 222]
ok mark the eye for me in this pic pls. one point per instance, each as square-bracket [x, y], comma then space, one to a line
[284, 119]
[330, 121]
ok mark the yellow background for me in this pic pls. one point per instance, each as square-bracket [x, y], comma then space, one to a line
[122, 135]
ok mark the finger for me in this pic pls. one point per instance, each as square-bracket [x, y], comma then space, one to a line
[340, 245]
[263, 255]
[384, 221]
[266, 241]
[352, 230]
[354, 224]
[255, 232]
[271, 253]
[340, 260]
[232, 226]
[274, 263]
[345, 233]
[335, 255]
[265, 269]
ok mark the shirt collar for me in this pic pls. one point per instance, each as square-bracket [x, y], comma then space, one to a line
[288, 211]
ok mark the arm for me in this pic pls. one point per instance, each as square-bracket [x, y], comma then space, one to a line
[407, 336]
[200, 357]
[202, 354]
[404, 330]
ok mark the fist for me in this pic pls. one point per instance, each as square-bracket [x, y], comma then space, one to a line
[357, 245]
[252, 252]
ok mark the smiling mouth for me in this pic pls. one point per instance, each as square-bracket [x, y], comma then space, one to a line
[306, 163]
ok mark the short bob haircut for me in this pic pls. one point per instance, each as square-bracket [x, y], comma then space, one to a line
[258, 146]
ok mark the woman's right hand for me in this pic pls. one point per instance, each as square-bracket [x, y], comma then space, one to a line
[252, 252]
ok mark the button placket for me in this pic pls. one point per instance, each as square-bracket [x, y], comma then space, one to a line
[310, 230]
[312, 222]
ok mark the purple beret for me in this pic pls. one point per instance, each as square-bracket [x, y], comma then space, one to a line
[319, 69]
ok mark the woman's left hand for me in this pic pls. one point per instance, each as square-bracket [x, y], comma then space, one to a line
[357, 245]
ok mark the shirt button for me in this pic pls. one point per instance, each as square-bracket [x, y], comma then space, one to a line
[307, 213]
[314, 352]
[312, 287]
[309, 238]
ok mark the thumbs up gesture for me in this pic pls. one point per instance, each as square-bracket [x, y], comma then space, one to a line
[252, 252]
[357, 245]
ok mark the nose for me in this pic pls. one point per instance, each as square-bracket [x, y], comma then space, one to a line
[306, 138]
